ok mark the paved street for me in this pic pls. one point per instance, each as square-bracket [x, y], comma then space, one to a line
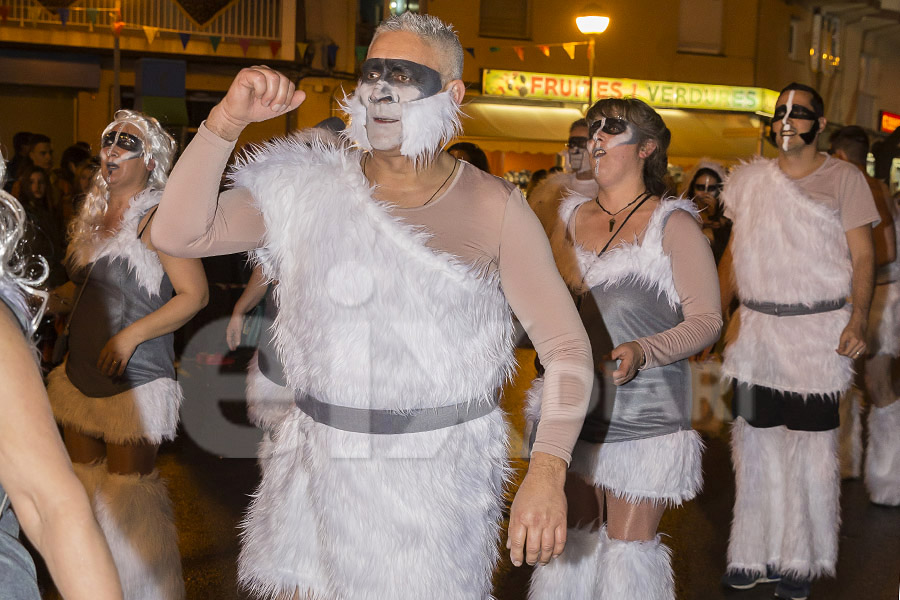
[211, 493]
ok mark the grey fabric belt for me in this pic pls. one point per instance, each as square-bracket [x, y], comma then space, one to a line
[389, 422]
[793, 310]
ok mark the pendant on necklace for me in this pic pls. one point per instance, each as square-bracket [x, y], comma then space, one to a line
[612, 223]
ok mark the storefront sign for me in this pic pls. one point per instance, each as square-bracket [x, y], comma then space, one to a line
[661, 94]
[889, 121]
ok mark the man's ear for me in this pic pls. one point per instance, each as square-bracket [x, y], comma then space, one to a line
[457, 88]
[647, 148]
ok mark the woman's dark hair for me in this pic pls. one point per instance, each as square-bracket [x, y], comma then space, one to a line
[474, 155]
[25, 196]
[650, 126]
[703, 171]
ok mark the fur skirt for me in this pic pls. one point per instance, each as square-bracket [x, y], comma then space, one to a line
[147, 413]
[267, 402]
[357, 516]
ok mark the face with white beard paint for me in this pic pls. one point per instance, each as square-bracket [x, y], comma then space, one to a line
[794, 123]
[399, 104]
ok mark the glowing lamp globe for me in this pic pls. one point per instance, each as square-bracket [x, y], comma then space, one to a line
[592, 24]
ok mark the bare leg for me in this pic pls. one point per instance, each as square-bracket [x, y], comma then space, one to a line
[632, 522]
[83, 448]
[585, 507]
[878, 380]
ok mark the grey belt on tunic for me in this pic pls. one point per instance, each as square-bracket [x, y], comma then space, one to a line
[389, 422]
[793, 310]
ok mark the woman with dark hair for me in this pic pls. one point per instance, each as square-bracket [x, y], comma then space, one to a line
[470, 153]
[44, 231]
[649, 299]
[705, 186]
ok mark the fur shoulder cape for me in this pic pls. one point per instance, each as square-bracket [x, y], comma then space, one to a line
[126, 245]
[786, 247]
[368, 315]
[645, 263]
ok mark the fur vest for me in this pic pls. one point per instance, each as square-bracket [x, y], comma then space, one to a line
[789, 250]
[646, 262]
[368, 315]
[126, 245]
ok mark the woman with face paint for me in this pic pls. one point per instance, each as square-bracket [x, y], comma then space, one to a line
[397, 266]
[115, 395]
[649, 300]
[705, 188]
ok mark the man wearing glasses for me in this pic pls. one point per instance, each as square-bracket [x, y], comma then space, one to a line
[545, 198]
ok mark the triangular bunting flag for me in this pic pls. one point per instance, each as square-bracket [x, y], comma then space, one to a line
[4, 13]
[185, 38]
[117, 28]
[64, 16]
[274, 47]
[361, 52]
[150, 32]
[494, 49]
[244, 43]
[301, 49]
[214, 41]
[471, 51]
[331, 56]
[545, 50]
[520, 52]
[570, 50]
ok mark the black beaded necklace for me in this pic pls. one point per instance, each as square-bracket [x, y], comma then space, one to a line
[612, 220]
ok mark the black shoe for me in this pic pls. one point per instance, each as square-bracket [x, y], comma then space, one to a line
[793, 589]
[744, 580]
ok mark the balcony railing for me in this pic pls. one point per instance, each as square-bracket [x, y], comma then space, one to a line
[246, 19]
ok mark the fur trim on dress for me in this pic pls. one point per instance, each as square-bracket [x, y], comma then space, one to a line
[790, 250]
[135, 514]
[665, 468]
[267, 402]
[787, 502]
[645, 263]
[147, 413]
[573, 575]
[635, 570]
[126, 245]
[883, 456]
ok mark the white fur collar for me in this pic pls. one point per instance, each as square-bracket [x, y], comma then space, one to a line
[126, 245]
[645, 263]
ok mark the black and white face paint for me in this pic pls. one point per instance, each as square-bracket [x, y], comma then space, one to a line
[576, 149]
[617, 132]
[119, 147]
[399, 103]
[795, 112]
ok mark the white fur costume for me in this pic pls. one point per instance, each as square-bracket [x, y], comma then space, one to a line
[146, 412]
[664, 468]
[789, 250]
[369, 317]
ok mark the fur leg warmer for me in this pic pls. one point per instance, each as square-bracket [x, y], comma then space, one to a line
[883, 457]
[758, 511]
[635, 570]
[811, 505]
[573, 575]
[850, 437]
[135, 514]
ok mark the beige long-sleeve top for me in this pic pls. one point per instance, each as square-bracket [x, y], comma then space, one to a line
[480, 219]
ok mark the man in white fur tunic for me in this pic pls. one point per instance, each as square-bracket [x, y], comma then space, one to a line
[397, 267]
[800, 247]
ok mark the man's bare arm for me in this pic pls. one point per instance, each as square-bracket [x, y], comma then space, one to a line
[862, 256]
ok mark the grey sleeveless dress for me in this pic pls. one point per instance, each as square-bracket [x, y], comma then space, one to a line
[269, 400]
[636, 442]
[127, 283]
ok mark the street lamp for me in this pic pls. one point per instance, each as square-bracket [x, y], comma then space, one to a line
[591, 22]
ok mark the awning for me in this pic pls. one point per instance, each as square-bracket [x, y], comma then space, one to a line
[514, 127]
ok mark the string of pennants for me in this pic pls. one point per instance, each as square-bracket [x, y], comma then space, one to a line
[117, 25]
[568, 48]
